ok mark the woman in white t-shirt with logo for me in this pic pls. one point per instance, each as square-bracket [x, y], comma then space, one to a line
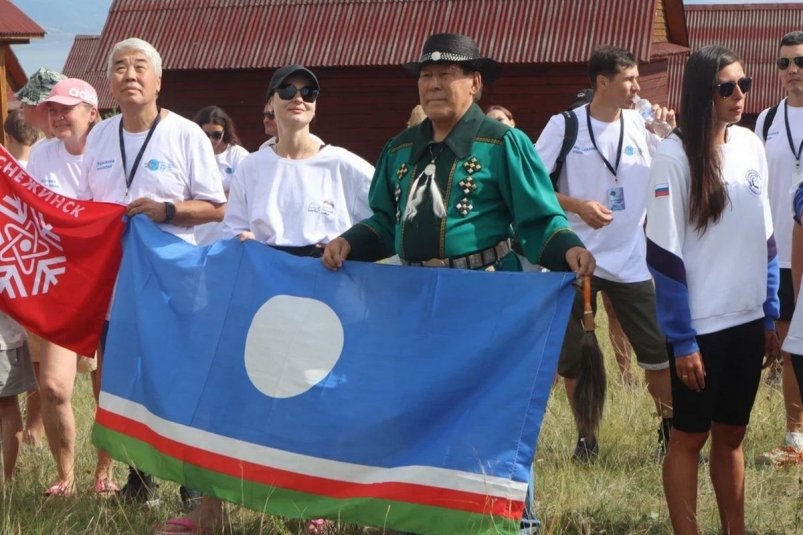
[294, 196]
[72, 110]
[219, 128]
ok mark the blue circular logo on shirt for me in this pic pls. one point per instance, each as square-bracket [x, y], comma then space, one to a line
[629, 150]
[229, 170]
[153, 165]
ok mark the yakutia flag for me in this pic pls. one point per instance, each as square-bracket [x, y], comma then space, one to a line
[381, 395]
[58, 259]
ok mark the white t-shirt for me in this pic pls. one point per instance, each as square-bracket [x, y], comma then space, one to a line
[178, 165]
[56, 169]
[227, 162]
[725, 267]
[295, 203]
[272, 141]
[619, 247]
[783, 179]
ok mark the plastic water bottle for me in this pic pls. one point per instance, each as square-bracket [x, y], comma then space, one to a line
[660, 128]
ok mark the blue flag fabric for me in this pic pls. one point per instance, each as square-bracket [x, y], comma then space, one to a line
[374, 366]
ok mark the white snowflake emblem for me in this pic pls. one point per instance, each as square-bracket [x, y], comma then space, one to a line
[31, 256]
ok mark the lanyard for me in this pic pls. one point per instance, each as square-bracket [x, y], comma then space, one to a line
[610, 167]
[129, 177]
[795, 153]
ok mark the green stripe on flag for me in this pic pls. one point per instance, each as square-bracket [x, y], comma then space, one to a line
[294, 504]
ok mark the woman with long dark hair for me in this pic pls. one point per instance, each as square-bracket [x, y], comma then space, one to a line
[712, 253]
[219, 128]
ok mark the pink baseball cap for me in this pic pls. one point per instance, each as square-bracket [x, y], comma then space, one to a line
[70, 92]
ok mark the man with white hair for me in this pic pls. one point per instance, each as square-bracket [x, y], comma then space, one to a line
[155, 162]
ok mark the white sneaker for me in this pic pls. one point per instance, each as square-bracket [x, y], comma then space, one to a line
[783, 456]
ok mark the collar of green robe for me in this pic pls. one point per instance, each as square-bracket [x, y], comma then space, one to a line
[460, 140]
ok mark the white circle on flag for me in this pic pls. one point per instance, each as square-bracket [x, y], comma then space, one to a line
[291, 345]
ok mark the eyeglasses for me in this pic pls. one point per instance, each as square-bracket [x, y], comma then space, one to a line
[783, 63]
[217, 135]
[726, 89]
[288, 92]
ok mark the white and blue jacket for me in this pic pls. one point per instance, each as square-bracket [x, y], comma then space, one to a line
[727, 275]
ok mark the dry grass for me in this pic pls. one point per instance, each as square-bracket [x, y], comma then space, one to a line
[620, 494]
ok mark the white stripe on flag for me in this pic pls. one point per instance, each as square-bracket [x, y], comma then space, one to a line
[315, 466]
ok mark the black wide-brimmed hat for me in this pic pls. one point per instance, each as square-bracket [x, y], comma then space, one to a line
[455, 48]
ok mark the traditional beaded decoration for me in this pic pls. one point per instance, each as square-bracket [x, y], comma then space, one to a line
[467, 185]
[464, 206]
[472, 165]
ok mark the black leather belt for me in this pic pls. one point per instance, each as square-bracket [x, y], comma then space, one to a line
[480, 259]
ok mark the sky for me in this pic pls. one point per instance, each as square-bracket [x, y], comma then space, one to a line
[63, 20]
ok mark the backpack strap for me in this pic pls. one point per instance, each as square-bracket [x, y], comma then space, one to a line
[569, 139]
[768, 121]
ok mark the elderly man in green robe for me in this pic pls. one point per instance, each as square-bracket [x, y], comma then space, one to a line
[449, 192]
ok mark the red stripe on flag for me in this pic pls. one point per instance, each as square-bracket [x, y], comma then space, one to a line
[331, 488]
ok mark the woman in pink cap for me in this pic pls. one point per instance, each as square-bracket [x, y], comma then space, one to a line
[72, 110]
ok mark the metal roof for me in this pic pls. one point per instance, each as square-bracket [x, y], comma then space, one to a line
[259, 34]
[754, 32]
[15, 26]
[83, 51]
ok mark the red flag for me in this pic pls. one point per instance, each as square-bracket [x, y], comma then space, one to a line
[58, 259]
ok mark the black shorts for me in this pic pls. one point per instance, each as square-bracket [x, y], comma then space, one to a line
[786, 294]
[797, 365]
[634, 304]
[732, 359]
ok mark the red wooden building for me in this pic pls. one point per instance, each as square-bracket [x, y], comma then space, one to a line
[753, 31]
[15, 28]
[224, 51]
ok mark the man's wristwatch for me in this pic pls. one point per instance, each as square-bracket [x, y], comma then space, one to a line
[170, 211]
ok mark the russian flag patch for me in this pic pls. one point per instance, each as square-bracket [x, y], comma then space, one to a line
[662, 190]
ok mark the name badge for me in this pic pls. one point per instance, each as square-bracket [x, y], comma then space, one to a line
[797, 178]
[616, 198]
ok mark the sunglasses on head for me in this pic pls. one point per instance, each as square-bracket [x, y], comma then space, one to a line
[288, 92]
[217, 136]
[726, 89]
[783, 63]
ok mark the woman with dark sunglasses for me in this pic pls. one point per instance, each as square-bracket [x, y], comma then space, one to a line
[295, 196]
[712, 253]
[219, 128]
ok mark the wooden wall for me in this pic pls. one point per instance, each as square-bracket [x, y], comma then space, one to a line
[360, 109]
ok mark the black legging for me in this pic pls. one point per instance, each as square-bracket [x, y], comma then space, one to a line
[797, 365]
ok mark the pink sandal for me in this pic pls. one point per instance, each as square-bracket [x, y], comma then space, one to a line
[105, 488]
[61, 489]
[186, 526]
[320, 526]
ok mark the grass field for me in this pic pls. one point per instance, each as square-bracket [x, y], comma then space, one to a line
[620, 494]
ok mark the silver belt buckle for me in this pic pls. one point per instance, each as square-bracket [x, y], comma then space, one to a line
[435, 262]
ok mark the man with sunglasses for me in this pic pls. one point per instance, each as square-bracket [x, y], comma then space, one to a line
[155, 162]
[781, 127]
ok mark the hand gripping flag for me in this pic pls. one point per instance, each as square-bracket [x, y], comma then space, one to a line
[392, 396]
[58, 259]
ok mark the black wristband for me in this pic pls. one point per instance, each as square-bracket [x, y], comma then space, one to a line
[170, 211]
